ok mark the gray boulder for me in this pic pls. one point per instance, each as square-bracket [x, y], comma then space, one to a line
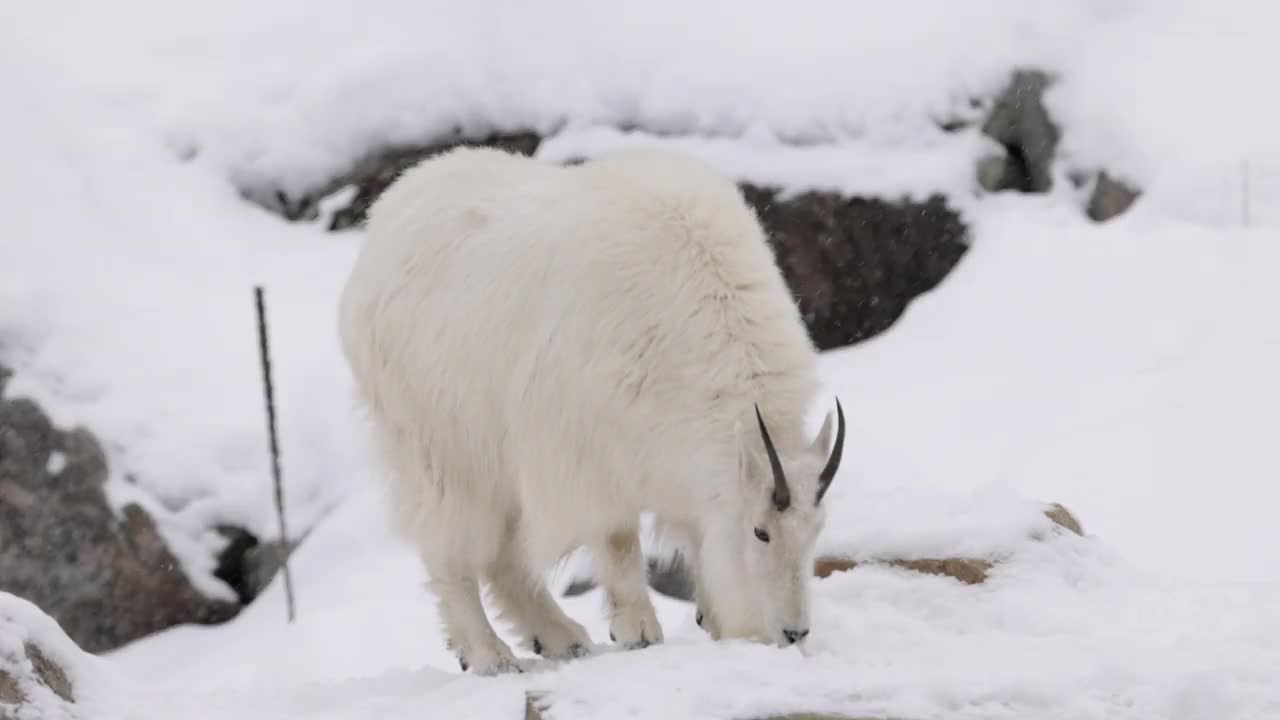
[106, 580]
[1020, 122]
[1110, 197]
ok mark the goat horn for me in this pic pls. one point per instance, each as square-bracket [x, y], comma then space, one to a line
[781, 493]
[837, 450]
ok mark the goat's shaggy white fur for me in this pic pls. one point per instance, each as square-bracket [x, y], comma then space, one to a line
[547, 352]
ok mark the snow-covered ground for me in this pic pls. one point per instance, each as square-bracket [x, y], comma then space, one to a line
[1129, 370]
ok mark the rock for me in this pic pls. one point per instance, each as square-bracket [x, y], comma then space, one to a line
[1001, 172]
[668, 575]
[535, 704]
[1061, 515]
[1020, 122]
[969, 571]
[1110, 198]
[671, 577]
[580, 586]
[247, 565]
[25, 676]
[33, 683]
[854, 264]
[106, 580]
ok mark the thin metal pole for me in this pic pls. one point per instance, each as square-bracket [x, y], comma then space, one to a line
[275, 447]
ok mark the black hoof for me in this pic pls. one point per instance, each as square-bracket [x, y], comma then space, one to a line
[537, 646]
[611, 637]
[462, 663]
[699, 618]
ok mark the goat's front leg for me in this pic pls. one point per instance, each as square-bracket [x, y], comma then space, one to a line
[523, 598]
[633, 623]
[704, 616]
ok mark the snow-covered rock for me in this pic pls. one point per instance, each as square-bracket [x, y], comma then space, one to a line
[107, 577]
[42, 672]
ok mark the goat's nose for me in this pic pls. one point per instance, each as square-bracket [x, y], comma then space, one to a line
[795, 636]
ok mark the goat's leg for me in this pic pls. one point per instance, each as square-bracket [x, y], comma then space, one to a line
[688, 538]
[522, 598]
[623, 574]
[467, 629]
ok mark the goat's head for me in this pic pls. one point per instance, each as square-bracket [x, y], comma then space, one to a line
[758, 558]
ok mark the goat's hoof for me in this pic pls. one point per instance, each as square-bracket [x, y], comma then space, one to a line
[698, 618]
[498, 666]
[572, 651]
[636, 627]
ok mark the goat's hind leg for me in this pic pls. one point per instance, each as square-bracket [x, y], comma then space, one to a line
[454, 557]
[467, 629]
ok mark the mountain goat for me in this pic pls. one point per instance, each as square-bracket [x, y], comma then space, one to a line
[546, 353]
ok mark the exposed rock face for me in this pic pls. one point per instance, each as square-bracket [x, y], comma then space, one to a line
[1110, 198]
[33, 683]
[248, 565]
[42, 672]
[1020, 122]
[854, 264]
[970, 571]
[107, 581]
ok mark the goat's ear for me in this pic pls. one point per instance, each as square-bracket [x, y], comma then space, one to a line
[747, 462]
[822, 443]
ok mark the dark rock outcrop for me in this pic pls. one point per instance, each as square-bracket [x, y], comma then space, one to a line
[854, 264]
[106, 580]
[248, 565]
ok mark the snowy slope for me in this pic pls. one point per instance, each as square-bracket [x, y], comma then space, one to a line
[1127, 370]
[1063, 629]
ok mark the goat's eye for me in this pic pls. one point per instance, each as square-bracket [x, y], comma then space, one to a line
[762, 535]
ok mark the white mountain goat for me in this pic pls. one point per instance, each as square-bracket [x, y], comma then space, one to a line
[548, 352]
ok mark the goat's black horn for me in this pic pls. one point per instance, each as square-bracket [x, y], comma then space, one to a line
[781, 493]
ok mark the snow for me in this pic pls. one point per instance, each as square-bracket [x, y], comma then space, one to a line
[1126, 369]
[1064, 628]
